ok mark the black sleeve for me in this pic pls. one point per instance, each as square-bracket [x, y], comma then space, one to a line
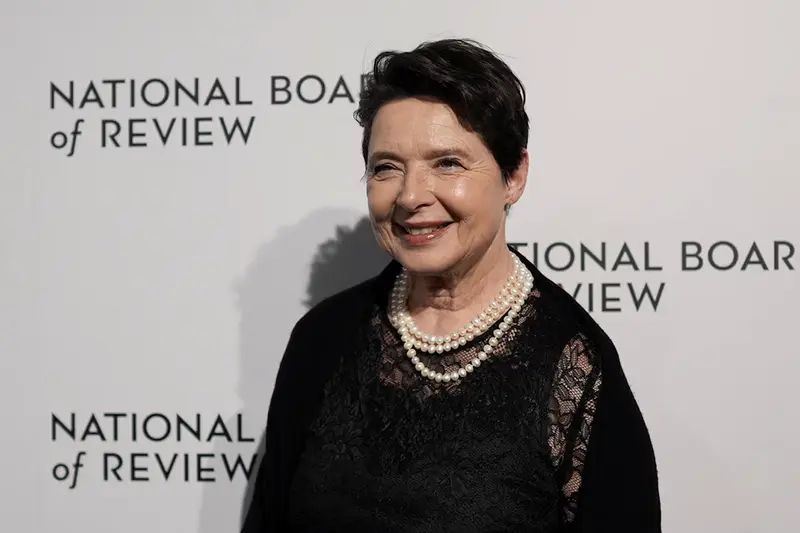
[619, 490]
[284, 437]
[317, 342]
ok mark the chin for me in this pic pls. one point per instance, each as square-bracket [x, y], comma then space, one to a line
[426, 262]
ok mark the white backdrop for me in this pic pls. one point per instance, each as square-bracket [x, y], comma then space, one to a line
[164, 279]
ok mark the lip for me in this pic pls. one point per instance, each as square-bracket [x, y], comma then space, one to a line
[420, 240]
[422, 224]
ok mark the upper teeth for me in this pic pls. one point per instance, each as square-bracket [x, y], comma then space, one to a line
[423, 231]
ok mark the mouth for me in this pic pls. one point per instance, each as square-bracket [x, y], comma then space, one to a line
[421, 235]
[426, 230]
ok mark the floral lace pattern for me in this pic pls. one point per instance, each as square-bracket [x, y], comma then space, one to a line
[571, 412]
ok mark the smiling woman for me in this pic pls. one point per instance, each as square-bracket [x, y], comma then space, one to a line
[460, 389]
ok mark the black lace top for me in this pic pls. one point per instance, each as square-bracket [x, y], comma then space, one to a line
[505, 449]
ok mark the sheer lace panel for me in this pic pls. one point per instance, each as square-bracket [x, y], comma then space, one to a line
[572, 408]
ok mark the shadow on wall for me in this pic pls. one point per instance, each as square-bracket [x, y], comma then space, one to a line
[349, 258]
[270, 300]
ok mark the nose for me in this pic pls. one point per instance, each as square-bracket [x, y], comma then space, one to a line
[416, 191]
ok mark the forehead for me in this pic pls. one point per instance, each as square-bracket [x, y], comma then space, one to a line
[413, 125]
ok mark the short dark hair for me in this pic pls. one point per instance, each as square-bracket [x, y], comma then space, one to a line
[484, 93]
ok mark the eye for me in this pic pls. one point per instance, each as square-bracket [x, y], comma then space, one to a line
[449, 163]
[383, 167]
[383, 171]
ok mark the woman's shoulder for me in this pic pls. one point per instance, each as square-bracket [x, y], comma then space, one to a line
[567, 322]
[338, 306]
[346, 309]
[324, 332]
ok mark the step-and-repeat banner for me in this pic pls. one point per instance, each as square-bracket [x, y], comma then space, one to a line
[180, 181]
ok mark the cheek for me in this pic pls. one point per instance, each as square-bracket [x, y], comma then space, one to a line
[379, 202]
[472, 199]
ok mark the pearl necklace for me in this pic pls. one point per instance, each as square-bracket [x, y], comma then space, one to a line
[508, 302]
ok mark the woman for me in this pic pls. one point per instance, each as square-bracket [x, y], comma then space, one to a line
[460, 389]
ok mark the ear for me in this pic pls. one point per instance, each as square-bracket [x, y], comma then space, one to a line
[517, 180]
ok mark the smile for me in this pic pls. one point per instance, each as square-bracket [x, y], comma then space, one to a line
[419, 236]
[427, 230]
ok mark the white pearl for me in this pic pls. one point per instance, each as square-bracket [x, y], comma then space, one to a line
[516, 290]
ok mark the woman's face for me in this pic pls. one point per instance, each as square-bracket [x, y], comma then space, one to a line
[435, 192]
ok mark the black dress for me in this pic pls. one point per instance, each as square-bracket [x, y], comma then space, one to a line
[545, 436]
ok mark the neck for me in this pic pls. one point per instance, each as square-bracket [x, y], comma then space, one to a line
[443, 302]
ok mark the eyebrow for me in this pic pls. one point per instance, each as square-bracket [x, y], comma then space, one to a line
[435, 153]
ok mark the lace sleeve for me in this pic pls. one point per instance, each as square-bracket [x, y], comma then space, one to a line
[576, 386]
